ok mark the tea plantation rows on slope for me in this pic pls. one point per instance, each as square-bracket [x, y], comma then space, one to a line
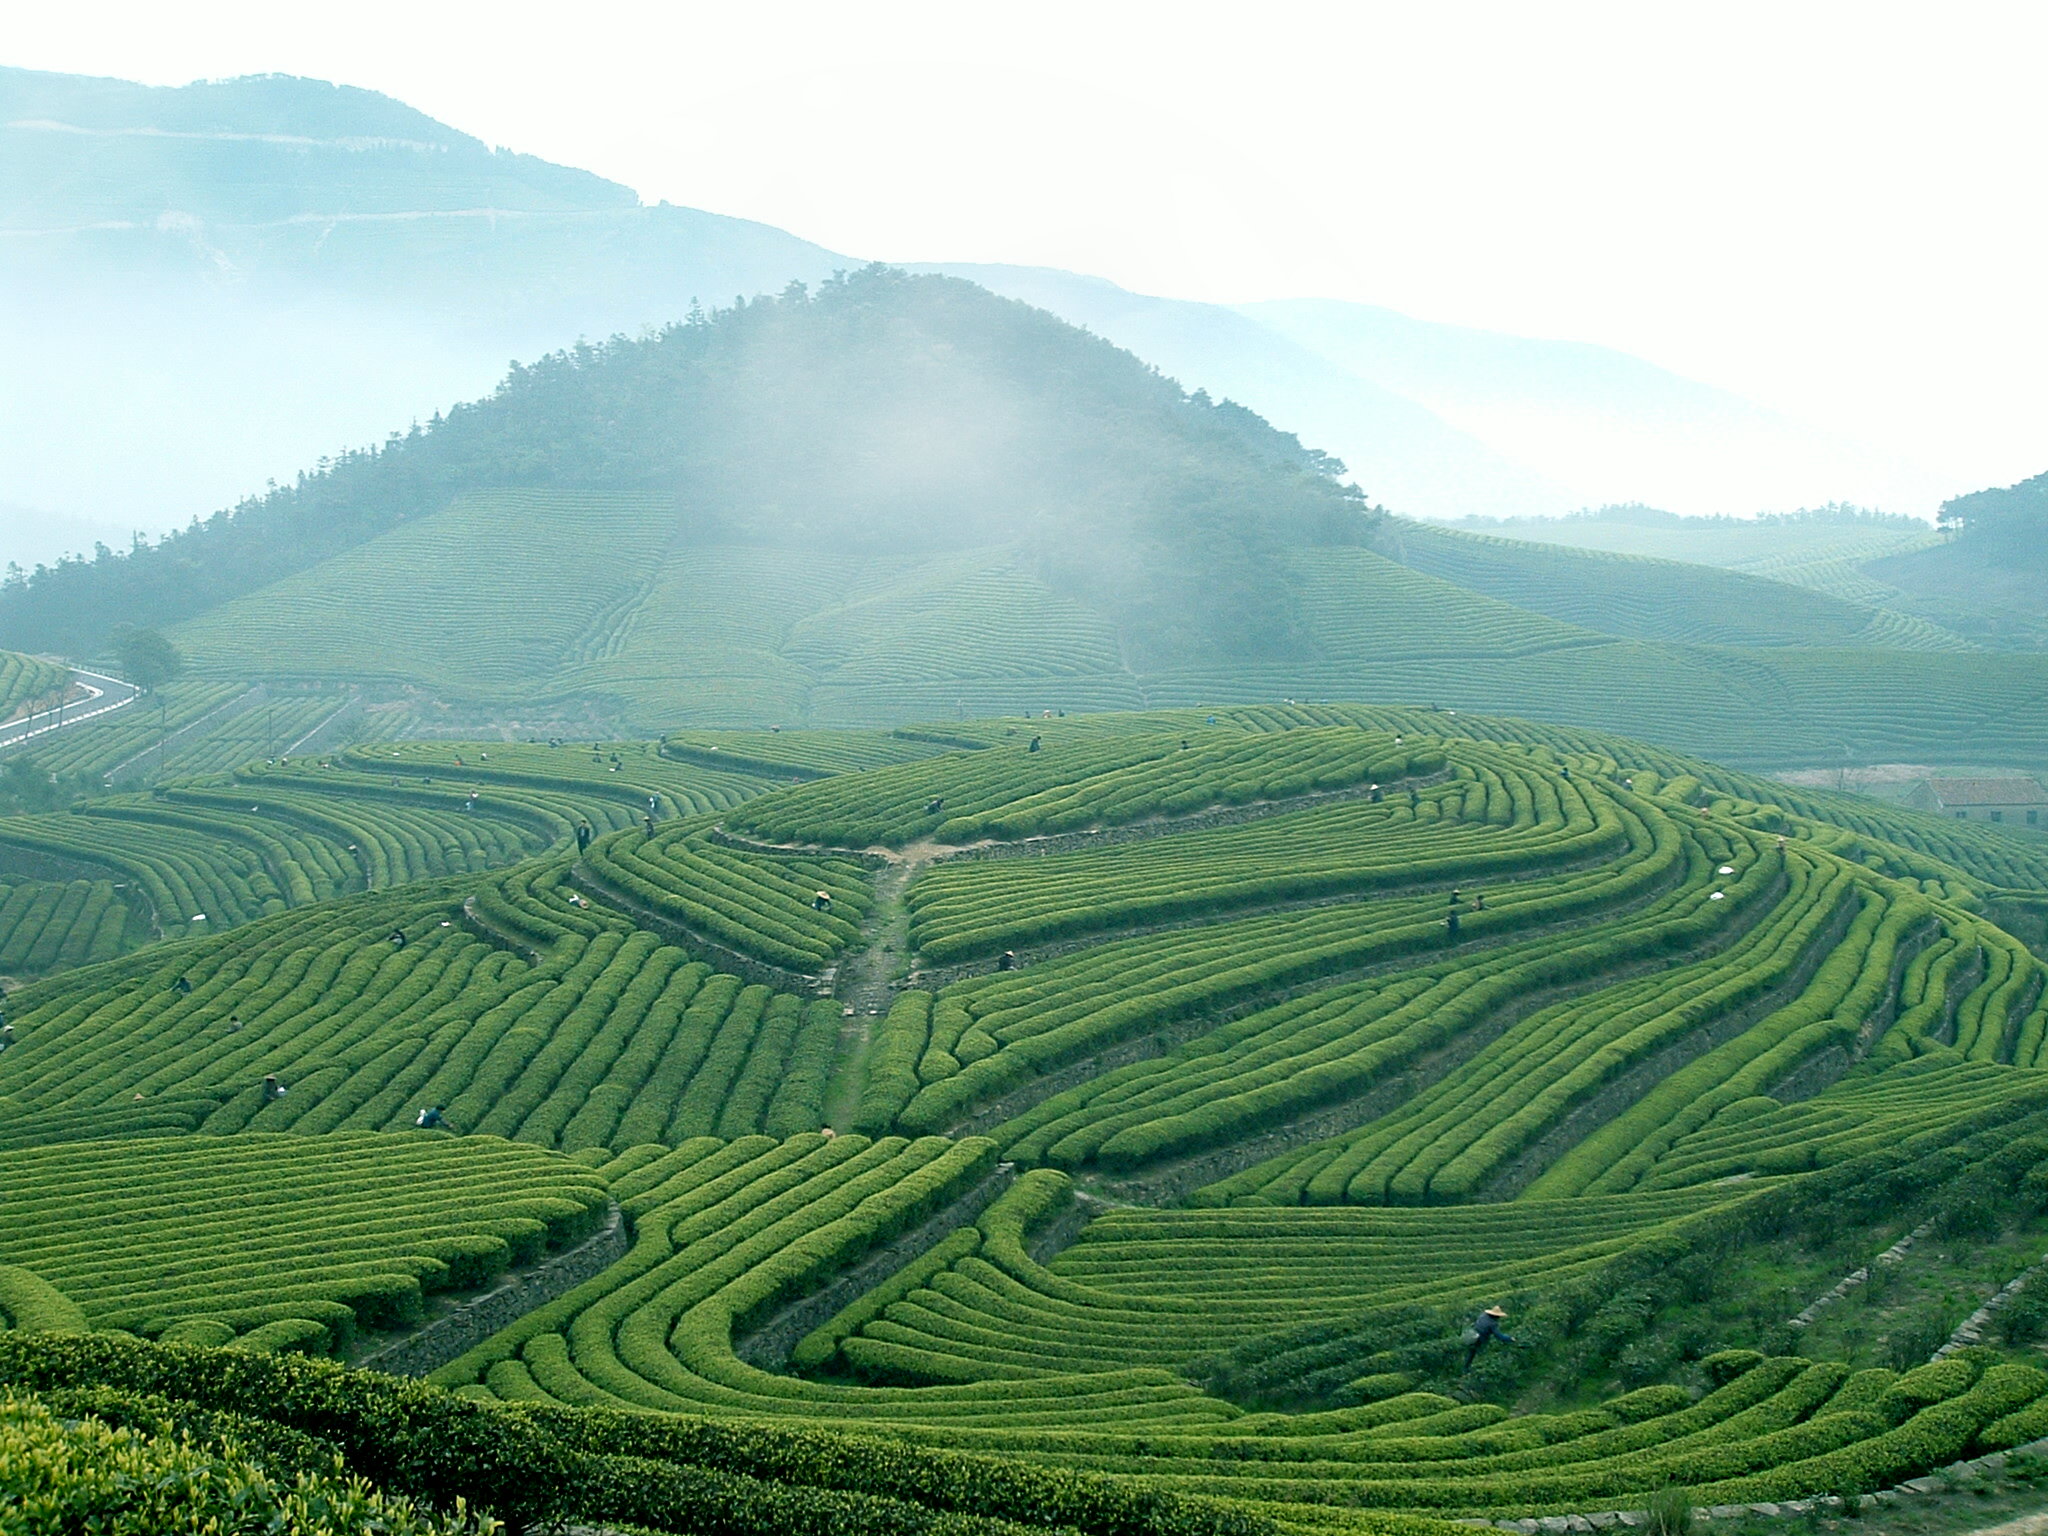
[1196, 1076]
[556, 599]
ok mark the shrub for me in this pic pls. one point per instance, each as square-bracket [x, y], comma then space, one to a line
[82, 1475]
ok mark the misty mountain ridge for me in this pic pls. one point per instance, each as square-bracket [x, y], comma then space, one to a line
[260, 149]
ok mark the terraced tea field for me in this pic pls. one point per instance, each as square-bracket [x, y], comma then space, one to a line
[555, 605]
[28, 682]
[1153, 1098]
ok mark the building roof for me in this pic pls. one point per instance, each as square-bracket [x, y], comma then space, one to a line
[1988, 791]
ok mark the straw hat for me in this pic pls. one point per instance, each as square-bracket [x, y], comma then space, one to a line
[1495, 1312]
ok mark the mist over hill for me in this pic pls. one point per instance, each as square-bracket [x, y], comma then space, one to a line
[885, 414]
[1419, 463]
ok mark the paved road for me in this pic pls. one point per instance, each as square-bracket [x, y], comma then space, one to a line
[104, 695]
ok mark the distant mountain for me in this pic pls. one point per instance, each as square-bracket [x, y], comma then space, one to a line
[214, 284]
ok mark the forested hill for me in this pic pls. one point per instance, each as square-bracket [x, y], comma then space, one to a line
[884, 413]
[2010, 522]
[1990, 579]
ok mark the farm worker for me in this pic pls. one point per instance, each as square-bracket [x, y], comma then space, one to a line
[650, 826]
[1487, 1325]
[1451, 924]
[397, 939]
[582, 836]
[1036, 742]
[822, 902]
[1007, 961]
[182, 985]
[6, 1036]
[431, 1120]
[1567, 772]
[827, 1132]
[273, 1090]
[933, 806]
[1378, 794]
[1479, 901]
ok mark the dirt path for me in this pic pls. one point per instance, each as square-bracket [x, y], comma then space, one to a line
[2026, 1525]
[866, 979]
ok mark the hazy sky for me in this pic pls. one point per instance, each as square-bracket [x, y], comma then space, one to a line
[1834, 209]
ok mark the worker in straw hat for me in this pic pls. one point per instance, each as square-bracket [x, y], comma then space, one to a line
[1486, 1326]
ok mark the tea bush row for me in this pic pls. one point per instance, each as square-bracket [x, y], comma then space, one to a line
[48, 924]
[1485, 825]
[607, 1037]
[243, 1231]
[757, 903]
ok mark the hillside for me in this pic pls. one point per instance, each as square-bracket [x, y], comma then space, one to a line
[887, 415]
[1192, 1080]
[1990, 580]
[1651, 597]
[1823, 548]
[902, 498]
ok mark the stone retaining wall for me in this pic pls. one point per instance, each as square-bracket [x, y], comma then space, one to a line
[427, 1348]
[1892, 1255]
[768, 1347]
[1971, 1329]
